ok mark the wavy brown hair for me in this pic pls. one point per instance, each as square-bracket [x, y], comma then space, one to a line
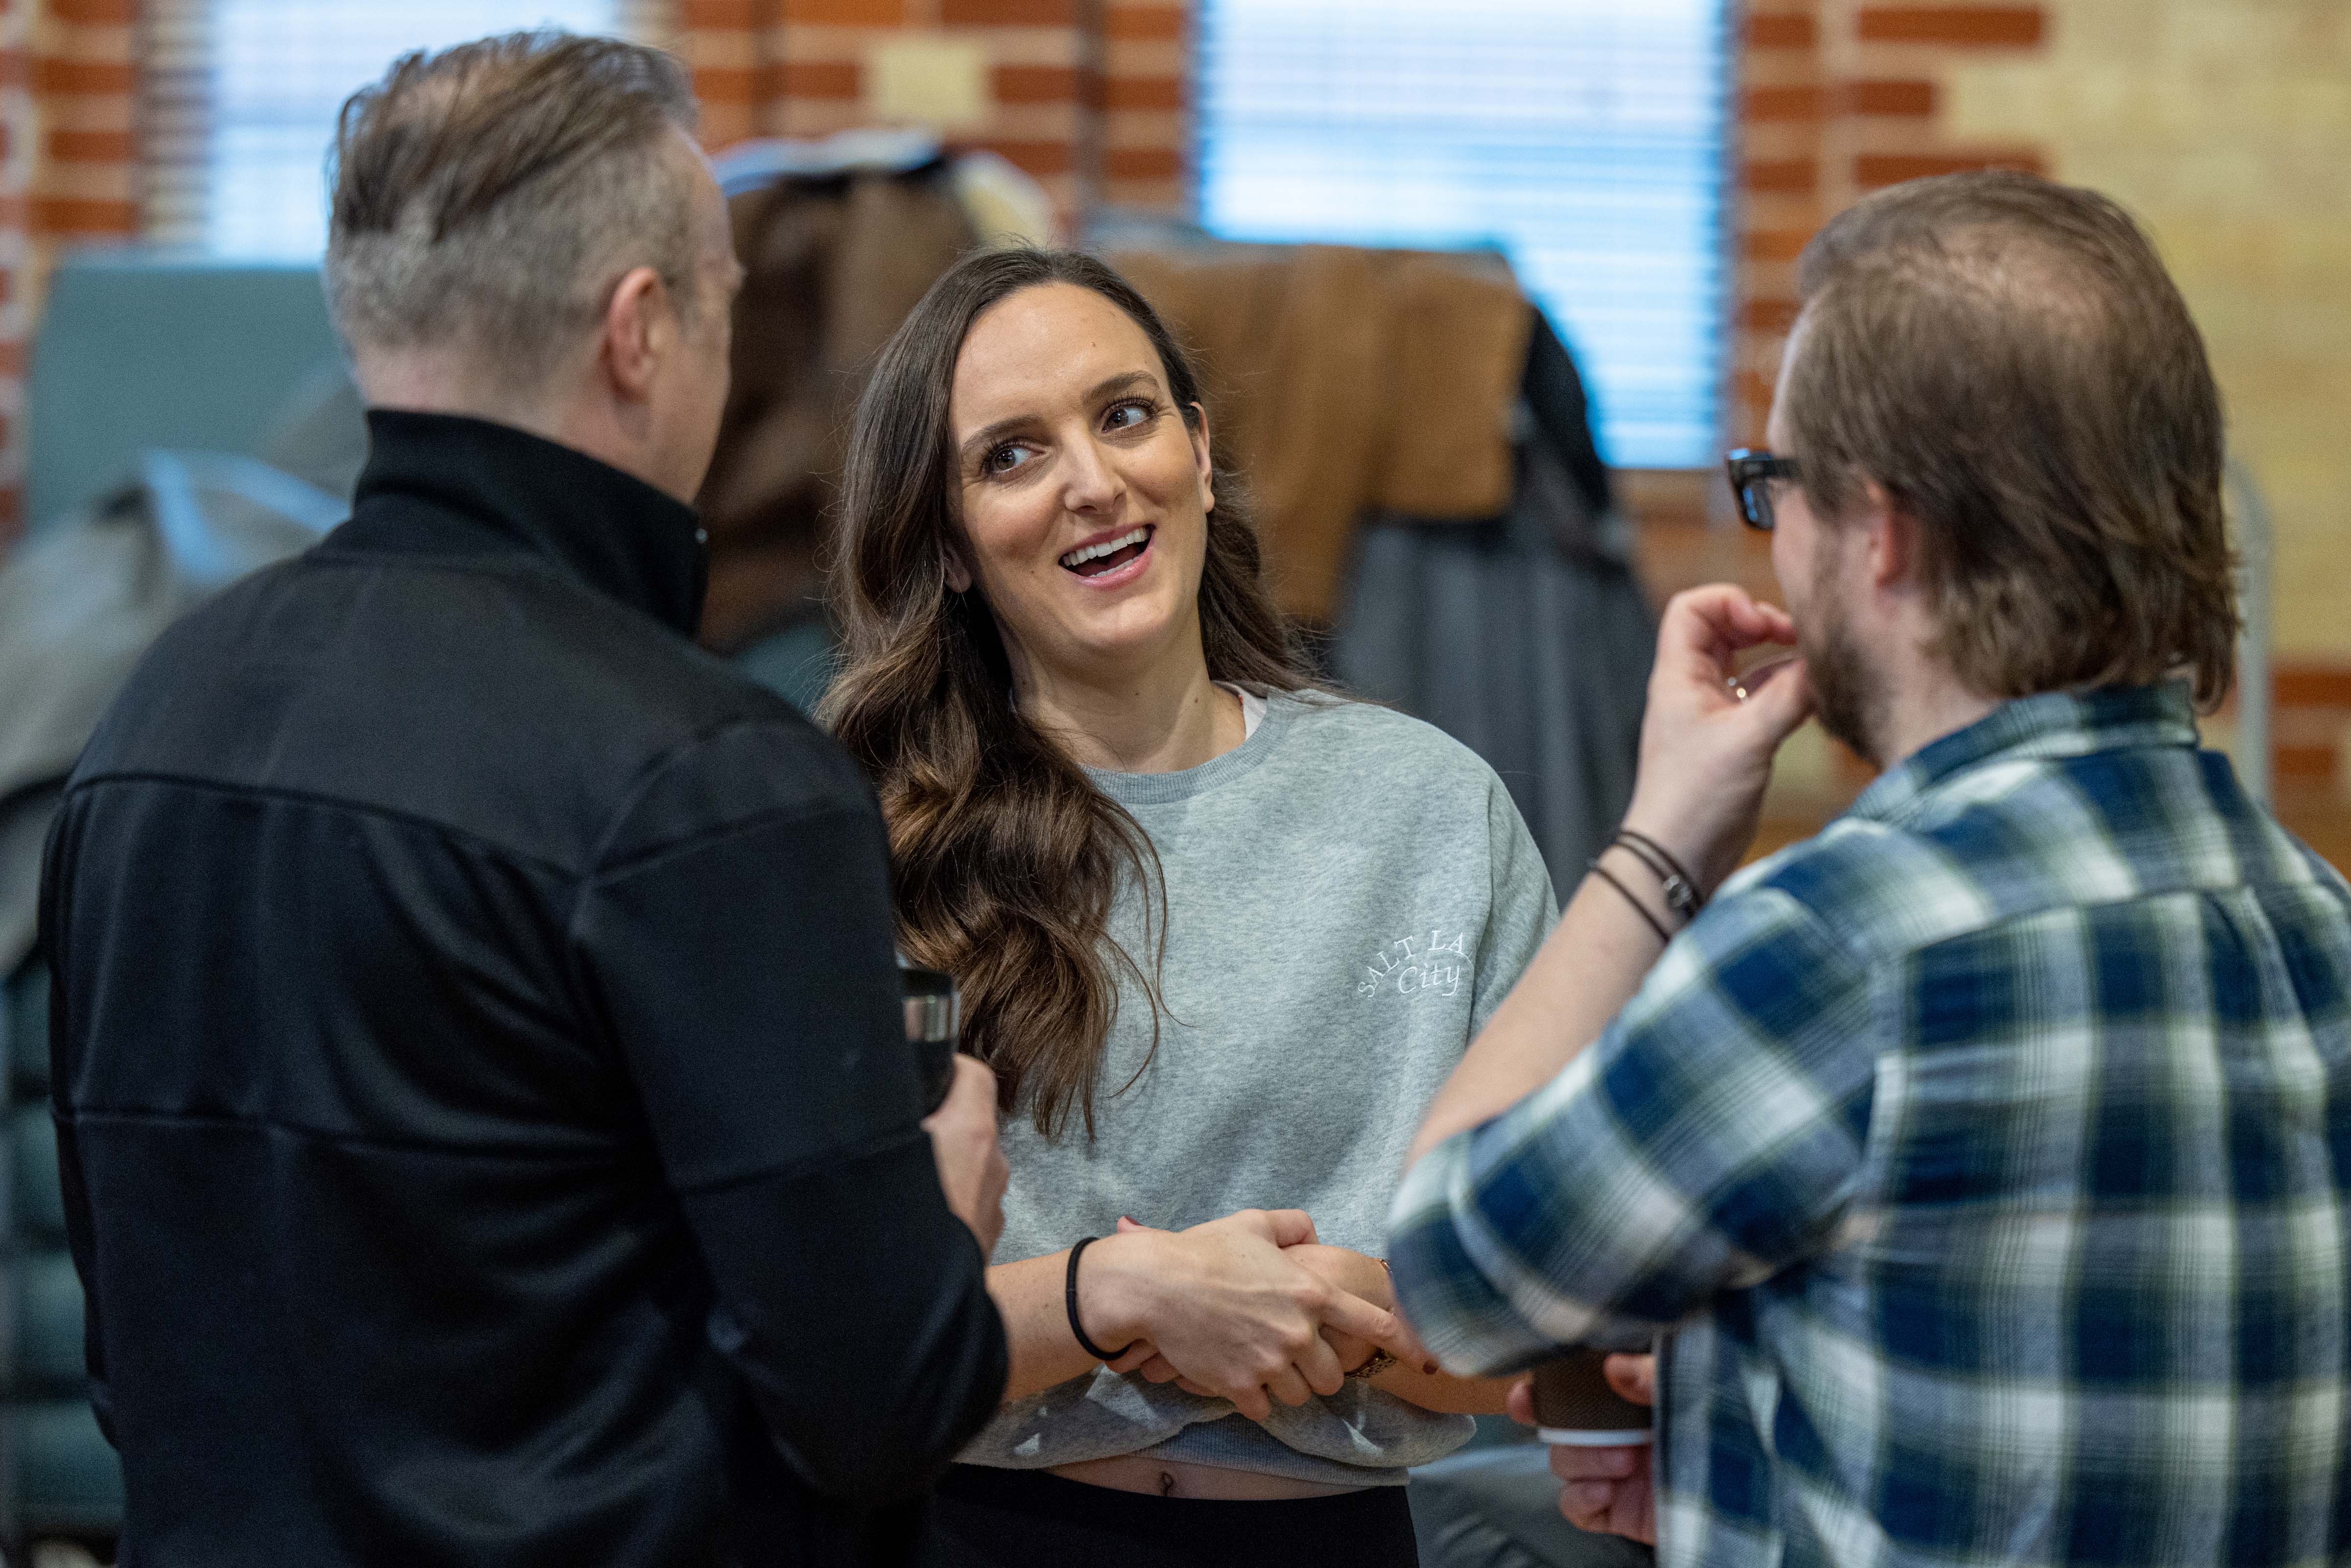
[1007, 859]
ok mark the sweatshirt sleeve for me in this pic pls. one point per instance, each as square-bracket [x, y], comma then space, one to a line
[736, 939]
[1521, 908]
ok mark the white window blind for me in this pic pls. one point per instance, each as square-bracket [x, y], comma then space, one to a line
[240, 98]
[1588, 138]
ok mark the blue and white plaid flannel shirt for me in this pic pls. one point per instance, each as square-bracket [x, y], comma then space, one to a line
[1987, 1156]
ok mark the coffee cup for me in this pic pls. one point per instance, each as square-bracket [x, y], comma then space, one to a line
[934, 1019]
[1574, 1405]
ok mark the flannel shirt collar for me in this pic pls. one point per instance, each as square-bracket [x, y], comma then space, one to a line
[2052, 724]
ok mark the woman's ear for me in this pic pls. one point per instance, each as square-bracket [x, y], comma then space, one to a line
[1198, 428]
[958, 574]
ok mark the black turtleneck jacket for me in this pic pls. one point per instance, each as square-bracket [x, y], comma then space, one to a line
[488, 1130]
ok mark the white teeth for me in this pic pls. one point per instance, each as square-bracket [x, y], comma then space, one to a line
[1078, 558]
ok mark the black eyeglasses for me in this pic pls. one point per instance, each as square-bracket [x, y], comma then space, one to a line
[1751, 472]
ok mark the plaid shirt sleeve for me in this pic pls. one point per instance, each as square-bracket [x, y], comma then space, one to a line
[1713, 1135]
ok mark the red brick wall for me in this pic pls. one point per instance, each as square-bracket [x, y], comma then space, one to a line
[1056, 70]
[724, 42]
[17, 162]
[68, 173]
[1838, 98]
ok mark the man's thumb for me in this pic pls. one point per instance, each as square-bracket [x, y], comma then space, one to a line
[1786, 699]
[1633, 1377]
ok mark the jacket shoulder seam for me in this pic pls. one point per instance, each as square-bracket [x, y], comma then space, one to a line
[316, 798]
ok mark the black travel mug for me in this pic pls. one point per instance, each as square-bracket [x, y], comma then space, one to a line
[933, 1018]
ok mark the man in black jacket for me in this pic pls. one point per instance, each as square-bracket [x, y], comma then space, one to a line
[488, 1134]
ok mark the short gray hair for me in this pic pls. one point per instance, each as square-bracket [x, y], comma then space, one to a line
[489, 196]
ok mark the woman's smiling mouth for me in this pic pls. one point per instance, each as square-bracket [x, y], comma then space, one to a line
[1109, 556]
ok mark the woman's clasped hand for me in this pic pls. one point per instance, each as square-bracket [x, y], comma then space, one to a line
[1247, 1308]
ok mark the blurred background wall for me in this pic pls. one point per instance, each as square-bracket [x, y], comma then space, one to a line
[2223, 125]
[2221, 121]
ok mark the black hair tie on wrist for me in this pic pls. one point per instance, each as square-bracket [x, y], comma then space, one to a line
[1076, 1328]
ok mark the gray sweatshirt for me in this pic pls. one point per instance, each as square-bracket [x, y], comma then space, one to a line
[1350, 895]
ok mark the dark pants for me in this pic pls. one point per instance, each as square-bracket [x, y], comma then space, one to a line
[1027, 1519]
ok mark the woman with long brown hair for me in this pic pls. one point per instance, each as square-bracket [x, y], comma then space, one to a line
[1221, 937]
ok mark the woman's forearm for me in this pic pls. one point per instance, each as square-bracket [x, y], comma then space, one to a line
[1036, 1330]
[1368, 1277]
[1032, 1298]
[1444, 1393]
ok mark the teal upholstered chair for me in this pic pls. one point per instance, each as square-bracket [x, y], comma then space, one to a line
[61, 1476]
[143, 349]
[136, 350]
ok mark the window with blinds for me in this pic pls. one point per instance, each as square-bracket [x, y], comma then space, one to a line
[1587, 139]
[240, 98]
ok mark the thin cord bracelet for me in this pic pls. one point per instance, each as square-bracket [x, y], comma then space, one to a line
[1649, 863]
[1682, 896]
[1639, 908]
[1076, 1328]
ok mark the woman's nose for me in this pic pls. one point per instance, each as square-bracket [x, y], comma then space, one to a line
[1091, 482]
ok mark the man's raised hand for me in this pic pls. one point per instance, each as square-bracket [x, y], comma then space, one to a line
[1706, 751]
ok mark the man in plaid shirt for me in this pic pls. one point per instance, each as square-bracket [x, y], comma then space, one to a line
[1984, 1159]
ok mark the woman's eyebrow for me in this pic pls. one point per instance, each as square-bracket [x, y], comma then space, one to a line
[1112, 385]
[987, 434]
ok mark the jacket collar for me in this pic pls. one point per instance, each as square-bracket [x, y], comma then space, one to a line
[492, 486]
[2052, 725]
